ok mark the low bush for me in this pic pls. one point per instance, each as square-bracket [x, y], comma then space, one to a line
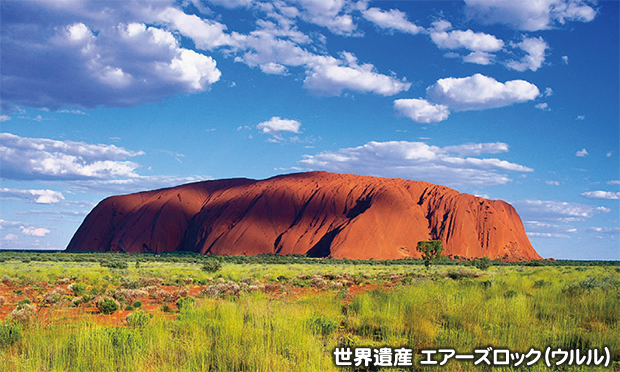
[108, 305]
[211, 266]
[323, 325]
[139, 319]
[78, 289]
[483, 264]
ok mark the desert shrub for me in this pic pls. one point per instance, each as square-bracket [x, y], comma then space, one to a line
[211, 266]
[272, 287]
[146, 282]
[322, 325]
[10, 333]
[221, 289]
[483, 264]
[606, 283]
[138, 319]
[52, 297]
[121, 265]
[23, 313]
[108, 305]
[129, 296]
[124, 338]
[318, 282]
[186, 302]
[131, 283]
[78, 288]
[62, 281]
[166, 308]
[2, 301]
[462, 273]
[8, 281]
[137, 304]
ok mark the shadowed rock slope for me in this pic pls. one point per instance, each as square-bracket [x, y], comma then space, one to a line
[317, 213]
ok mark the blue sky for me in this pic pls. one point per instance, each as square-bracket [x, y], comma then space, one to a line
[511, 100]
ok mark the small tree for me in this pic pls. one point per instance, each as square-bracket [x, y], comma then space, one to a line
[430, 249]
[211, 265]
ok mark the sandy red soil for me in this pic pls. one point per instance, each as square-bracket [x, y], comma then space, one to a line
[63, 311]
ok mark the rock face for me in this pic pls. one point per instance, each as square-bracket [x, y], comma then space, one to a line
[317, 213]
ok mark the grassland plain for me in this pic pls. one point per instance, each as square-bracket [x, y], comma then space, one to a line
[289, 314]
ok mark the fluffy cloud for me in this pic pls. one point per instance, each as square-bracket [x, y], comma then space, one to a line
[36, 196]
[546, 210]
[421, 111]
[534, 57]
[479, 58]
[601, 195]
[477, 92]
[530, 15]
[276, 125]
[98, 54]
[329, 76]
[470, 40]
[26, 230]
[420, 161]
[34, 231]
[40, 158]
[327, 13]
[207, 35]
[325, 75]
[392, 19]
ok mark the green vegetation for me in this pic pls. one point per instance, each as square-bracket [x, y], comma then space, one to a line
[430, 249]
[211, 266]
[108, 305]
[288, 314]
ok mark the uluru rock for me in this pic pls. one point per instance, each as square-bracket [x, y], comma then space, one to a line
[317, 214]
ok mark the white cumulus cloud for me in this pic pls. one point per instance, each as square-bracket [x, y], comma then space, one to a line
[329, 76]
[534, 57]
[479, 92]
[128, 57]
[453, 166]
[470, 40]
[392, 19]
[36, 196]
[531, 15]
[277, 125]
[421, 111]
[40, 158]
[35, 231]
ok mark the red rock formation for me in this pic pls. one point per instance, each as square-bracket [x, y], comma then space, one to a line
[317, 213]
